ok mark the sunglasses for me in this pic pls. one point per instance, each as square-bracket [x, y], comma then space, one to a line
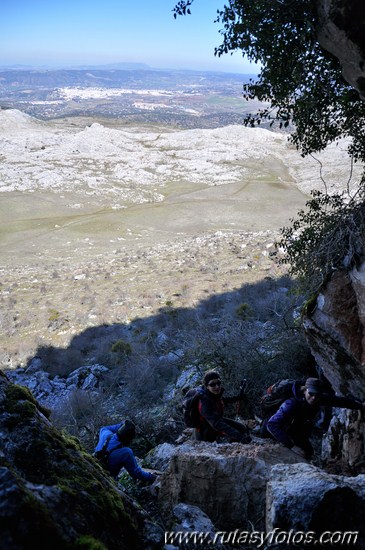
[214, 384]
[311, 394]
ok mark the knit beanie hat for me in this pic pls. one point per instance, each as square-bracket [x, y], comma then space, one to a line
[210, 375]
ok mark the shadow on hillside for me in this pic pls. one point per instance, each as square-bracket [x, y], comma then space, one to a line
[251, 332]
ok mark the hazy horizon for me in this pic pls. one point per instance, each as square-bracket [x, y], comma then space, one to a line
[71, 34]
[121, 65]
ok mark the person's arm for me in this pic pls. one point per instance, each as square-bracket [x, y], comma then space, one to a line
[342, 402]
[278, 423]
[216, 420]
[233, 399]
[131, 465]
[104, 433]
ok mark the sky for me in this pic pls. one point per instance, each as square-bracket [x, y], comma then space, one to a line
[58, 33]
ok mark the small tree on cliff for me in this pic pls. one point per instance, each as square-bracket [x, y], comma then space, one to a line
[304, 86]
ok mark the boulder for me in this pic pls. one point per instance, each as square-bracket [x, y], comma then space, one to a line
[191, 518]
[52, 493]
[344, 439]
[226, 481]
[55, 392]
[303, 498]
[159, 458]
[334, 325]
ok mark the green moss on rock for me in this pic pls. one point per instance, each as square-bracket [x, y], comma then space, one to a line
[62, 499]
[85, 542]
[16, 395]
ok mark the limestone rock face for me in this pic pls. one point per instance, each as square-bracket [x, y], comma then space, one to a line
[55, 392]
[191, 518]
[334, 326]
[306, 498]
[226, 481]
[335, 331]
[341, 31]
[344, 440]
[52, 494]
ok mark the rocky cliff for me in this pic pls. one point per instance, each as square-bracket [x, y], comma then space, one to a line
[341, 31]
[51, 491]
[226, 481]
[221, 490]
[334, 324]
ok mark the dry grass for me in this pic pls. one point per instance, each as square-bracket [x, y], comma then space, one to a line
[119, 288]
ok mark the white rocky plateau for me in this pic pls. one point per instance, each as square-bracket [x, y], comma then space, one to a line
[78, 185]
[135, 164]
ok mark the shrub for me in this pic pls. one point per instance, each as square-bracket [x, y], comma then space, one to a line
[327, 236]
[244, 311]
[122, 347]
[54, 315]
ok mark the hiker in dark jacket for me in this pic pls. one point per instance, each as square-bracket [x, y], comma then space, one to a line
[213, 423]
[121, 455]
[291, 425]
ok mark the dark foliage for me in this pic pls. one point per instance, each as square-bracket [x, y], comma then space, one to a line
[301, 81]
[327, 236]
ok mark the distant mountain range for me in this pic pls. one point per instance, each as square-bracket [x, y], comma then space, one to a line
[124, 65]
[121, 66]
[135, 76]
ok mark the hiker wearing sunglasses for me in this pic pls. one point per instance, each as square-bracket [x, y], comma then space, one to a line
[213, 424]
[292, 424]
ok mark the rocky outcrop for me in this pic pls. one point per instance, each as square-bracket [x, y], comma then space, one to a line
[191, 518]
[344, 440]
[334, 324]
[306, 499]
[341, 31]
[226, 481]
[54, 392]
[52, 492]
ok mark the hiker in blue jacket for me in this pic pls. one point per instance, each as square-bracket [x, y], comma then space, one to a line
[121, 455]
[213, 423]
[292, 424]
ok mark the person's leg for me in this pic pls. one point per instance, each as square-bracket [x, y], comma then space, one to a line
[302, 441]
[237, 425]
[264, 432]
[206, 433]
[241, 428]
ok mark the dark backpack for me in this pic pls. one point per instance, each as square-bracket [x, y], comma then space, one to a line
[275, 395]
[190, 408]
[102, 456]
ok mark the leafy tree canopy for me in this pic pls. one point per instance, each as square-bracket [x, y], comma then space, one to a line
[303, 85]
[300, 80]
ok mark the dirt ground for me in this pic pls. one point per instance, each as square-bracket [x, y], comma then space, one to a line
[70, 259]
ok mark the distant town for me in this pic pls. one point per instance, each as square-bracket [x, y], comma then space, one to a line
[177, 98]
